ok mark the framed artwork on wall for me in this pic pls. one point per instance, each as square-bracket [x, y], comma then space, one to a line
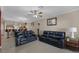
[52, 21]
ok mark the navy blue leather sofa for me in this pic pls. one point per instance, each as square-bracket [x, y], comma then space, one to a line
[24, 37]
[54, 38]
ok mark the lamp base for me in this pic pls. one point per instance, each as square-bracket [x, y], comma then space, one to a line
[72, 35]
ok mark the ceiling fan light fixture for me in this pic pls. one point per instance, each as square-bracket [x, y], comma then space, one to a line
[36, 13]
[35, 16]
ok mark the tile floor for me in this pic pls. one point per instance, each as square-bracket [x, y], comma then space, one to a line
[32, 47]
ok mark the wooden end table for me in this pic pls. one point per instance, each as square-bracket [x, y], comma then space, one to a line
[72, 44]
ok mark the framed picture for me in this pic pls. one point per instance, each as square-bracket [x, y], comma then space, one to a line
[52, 21]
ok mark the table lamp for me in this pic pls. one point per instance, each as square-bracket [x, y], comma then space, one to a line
[72, 30]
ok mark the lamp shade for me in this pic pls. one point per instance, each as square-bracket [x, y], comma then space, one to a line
[73, 29]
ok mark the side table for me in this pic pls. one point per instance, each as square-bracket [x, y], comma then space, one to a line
[72, 44]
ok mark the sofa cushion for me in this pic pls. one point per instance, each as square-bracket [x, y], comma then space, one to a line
[45, 33]
[24, 37]
[52, 39]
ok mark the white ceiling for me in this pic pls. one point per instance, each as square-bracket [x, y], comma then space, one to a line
[20, 13]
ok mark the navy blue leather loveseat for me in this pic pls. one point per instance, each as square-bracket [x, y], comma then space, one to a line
[54, 38]
[24, 37]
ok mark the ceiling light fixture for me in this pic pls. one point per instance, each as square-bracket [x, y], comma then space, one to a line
[35, 16]
[37, 13]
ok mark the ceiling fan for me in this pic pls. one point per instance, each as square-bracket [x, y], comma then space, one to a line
[36, 13]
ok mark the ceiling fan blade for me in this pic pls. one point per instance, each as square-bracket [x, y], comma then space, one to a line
[40, 13]
[30, 12]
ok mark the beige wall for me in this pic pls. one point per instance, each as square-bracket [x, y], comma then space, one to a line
[64, 22]
[34, 28]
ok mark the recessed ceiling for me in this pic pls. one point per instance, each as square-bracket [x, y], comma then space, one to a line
[20, 13]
